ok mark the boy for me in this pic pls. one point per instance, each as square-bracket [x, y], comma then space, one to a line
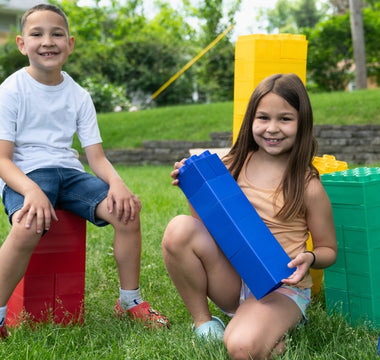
[41, 108]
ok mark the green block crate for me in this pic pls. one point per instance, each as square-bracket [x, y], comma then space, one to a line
[364, 309]
[354, 186]
[356, 215]
[352, 283]
[358, 238]
[337, 302]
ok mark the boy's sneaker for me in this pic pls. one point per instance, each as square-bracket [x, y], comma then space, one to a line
[143, 312]
[3, 332]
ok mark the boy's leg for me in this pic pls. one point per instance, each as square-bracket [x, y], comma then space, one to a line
[199, 269]
[15, 254]
[127, 246]
[127, 254]
[258, 328]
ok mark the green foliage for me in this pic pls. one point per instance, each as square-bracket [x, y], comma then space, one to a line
[330, 53]
[11, 59]
[215, 70]
[292, 16]
[371, 21]
[106, 96]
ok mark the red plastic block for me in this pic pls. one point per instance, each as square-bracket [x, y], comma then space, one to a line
[52, 288]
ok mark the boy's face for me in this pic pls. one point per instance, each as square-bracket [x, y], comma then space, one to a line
[46, 42]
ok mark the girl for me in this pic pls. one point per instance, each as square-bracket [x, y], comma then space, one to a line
[271, 161]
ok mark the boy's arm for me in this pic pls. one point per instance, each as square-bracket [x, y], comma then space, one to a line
[119, 199]
[36, 203]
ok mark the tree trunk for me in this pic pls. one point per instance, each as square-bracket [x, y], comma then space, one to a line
[357, 33]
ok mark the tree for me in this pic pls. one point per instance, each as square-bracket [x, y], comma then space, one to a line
[291, 17]
[339, 6]
[329, 54]
[306, 14]
[357, 32]
[215, 70]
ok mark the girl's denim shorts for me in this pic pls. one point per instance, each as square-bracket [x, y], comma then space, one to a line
[69, 189]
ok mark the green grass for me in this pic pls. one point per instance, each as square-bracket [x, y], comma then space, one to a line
[196, 122]
[104, 337]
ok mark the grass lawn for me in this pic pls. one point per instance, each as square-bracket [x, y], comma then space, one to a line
[196, 122]
[327, 337]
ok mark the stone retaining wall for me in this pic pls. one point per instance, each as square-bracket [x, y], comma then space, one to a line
[354, 144]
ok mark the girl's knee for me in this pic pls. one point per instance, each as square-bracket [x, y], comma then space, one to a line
[176, 232]
[241, 347]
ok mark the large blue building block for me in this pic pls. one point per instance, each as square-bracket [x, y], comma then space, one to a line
[234, 223]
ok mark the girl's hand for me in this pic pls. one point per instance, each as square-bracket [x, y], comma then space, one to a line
[175, 172]
[302, 264]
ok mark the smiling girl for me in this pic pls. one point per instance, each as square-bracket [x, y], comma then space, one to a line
[272, 163]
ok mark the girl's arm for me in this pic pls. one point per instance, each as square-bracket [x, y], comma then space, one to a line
[320, 222]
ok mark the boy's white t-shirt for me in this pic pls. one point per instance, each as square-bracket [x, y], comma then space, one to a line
[41, 121]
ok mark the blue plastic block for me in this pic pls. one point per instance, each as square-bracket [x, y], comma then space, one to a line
[234, 223]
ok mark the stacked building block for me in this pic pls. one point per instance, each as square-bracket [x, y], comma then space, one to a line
[234, 223]
[52, 288]
[352, 283]
[259, 56]
[324, 164]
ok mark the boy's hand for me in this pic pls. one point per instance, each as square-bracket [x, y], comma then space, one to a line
[37, 204]
[175, 172]
[121, 200]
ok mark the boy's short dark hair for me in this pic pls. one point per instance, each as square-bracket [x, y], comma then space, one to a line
[44, 7]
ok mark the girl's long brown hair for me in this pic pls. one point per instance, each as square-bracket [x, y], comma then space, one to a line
[300, 168]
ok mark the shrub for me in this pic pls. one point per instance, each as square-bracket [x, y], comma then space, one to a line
[107, 97]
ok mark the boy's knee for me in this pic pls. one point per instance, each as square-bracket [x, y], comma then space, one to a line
[24, 239]
[131, 226]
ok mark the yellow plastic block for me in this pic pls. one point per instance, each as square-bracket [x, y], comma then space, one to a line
[258, 56]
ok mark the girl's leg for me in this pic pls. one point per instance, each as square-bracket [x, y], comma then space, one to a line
[199, 269]
[258, 328]
[15, 254]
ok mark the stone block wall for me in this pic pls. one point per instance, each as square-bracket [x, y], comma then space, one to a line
[355, 144]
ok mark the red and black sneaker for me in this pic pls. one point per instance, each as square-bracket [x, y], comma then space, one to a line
[143, 312]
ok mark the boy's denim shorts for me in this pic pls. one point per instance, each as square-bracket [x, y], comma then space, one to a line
[69, 189]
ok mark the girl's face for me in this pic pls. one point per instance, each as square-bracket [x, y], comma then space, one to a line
[275, 125]
[46, 42]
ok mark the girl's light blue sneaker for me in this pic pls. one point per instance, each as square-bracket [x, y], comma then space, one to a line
[211, 329]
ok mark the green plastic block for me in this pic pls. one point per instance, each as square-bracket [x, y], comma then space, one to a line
[359, 238]
[335, 279]
[354, 186]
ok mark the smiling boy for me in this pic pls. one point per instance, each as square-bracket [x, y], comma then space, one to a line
[41, 108]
